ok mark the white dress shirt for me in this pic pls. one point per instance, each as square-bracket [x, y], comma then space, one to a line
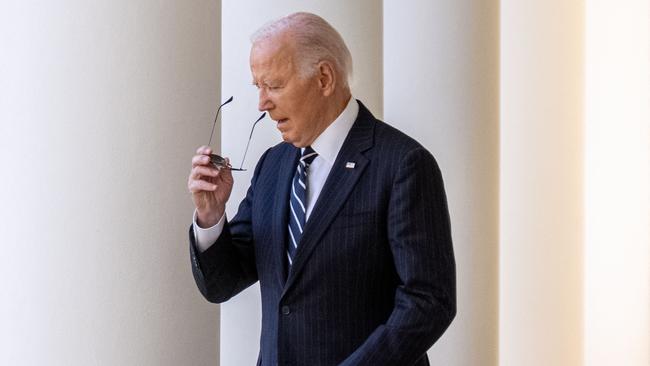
[327, 145]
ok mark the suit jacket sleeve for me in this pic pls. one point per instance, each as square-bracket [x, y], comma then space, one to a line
[228, 266]
[420, 240]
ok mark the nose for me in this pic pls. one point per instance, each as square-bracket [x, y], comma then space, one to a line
[265, 102]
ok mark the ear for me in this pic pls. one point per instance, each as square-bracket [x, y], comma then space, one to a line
[326, 78]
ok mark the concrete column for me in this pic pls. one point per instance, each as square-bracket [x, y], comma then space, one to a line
[541, 219]
[441, 64]
[359, 22]
[617, 186]
[102, 105]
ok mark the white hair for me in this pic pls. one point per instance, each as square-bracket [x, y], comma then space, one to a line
[315, 40]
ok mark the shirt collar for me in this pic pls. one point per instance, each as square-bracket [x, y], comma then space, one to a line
[329, 142]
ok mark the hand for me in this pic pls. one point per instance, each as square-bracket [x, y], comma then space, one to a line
[210, 188]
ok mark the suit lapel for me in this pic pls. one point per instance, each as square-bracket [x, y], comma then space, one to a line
[281, 211]
[337, 188]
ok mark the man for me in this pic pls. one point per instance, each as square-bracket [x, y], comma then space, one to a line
[345, 223]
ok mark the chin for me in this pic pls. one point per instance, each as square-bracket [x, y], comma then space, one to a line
[291, 141]
[287, 139]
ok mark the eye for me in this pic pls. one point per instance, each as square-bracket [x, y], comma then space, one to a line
[274, 85]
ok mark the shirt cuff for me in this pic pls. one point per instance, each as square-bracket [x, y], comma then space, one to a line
[205, 237]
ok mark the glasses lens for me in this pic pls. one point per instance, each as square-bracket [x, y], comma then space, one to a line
[218, 161]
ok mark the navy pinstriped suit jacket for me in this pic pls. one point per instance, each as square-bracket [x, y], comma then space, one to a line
[373, 280]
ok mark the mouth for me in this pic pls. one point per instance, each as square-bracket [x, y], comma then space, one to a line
[281, 122]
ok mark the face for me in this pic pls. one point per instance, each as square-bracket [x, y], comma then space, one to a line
[296, 103]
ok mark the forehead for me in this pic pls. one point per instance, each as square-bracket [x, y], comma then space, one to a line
[272, 57]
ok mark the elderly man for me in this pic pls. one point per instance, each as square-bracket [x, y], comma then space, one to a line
[345, 223]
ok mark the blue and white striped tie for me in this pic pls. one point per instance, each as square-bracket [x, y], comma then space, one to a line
[298, 202]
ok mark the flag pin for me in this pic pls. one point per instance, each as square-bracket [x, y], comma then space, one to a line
[350, 165]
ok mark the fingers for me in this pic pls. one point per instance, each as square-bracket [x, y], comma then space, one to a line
[204, 150]
[204, 160]
[203, 171]
[197, 180]
[198, 160]
[196, 186]
[210, 186]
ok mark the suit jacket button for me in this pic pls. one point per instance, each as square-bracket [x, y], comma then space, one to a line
[286, 310]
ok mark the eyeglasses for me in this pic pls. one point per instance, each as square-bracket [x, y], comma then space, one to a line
[218, 161]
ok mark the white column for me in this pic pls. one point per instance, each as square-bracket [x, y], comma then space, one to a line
[441, 87]
[359, 22]
[102, 105]
[617, 172]
[541, 220]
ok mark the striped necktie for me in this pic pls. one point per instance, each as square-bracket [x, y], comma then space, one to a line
[298, 202]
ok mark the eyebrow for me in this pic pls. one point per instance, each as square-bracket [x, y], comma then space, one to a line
[267, 82]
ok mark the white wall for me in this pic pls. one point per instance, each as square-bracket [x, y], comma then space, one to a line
[102, 105]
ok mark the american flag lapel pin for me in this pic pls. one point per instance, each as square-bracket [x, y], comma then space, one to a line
[350, 164]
